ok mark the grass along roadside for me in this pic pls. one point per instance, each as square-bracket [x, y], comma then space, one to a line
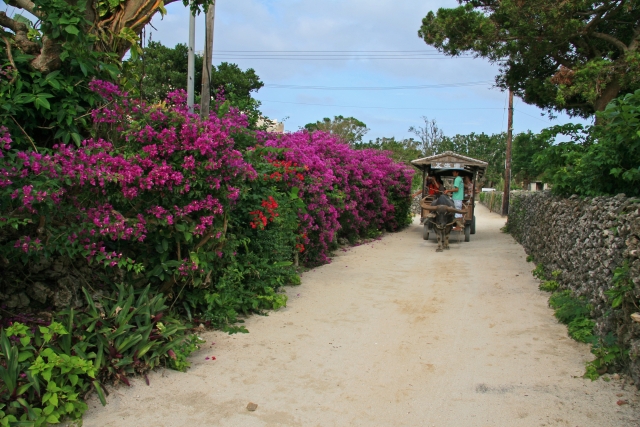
[575, 312]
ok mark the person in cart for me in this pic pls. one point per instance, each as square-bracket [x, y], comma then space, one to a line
[457, 194]
[433, 187]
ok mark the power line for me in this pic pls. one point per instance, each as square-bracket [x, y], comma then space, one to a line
[300, 58]
[381, 108]
[505, 109]
[537, 118]
[435, 86]
[328, 51]
[333, 55]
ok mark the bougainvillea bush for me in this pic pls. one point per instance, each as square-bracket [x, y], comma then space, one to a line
[167, 198]
[350, 193]
[152, 194]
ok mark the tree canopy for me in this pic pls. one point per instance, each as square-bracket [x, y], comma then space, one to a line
[159, 70]
[430, 136]
[574, 55]
[112, 25]
[489, 148]
[349, 129]
[526, 146]
[598, 160]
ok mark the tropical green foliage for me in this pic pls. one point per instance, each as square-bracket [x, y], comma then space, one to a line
[608, 355]
[159, 70]
[573, 55]
[47, 370]
[348, 129]
[598, 160]
[526, 146]
[568, 307]
[622, 285]
[489, 148]
[43, 106]
[548, 286]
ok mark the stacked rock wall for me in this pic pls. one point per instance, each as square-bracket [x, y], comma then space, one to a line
[586, 239]
[415, 205]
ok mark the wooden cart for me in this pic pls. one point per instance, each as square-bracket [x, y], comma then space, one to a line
[441, 166]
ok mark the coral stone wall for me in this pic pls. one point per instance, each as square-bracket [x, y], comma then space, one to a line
[586, 239]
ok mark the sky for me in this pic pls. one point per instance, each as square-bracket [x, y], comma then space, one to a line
[354, 58]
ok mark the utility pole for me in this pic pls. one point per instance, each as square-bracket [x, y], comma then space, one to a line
[205, 93]
[191, 61]
[507, 168]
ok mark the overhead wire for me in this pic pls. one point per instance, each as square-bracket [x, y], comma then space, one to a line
[381, 108]
[333, 55]
[366, 88]
[534, 117]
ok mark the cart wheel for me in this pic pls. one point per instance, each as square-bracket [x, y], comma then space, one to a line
[425, 231]
[473, 225]
[467, 233]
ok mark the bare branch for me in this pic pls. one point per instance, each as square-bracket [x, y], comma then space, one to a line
[49, 58]
[10, 56]
[25, 133]
[633, 46]
[27, 5]
[614, 41]
[599, 10]
[603, 13]
[20, 38]
[562, 61]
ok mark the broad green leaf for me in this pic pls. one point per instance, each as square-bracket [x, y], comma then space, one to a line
[72, 29]
[53, 419]
[42, 102]
[24, 355]
[76, 138]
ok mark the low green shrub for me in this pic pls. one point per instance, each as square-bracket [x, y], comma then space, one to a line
[621, 285]
[41, 384]
[47, 371]
[538, 272]
[608, 354]
[568, 307]
[581, 329]
[548, 286]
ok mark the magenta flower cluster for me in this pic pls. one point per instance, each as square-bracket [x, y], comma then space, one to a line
[156, 187]
[155, 172]
[348, 192]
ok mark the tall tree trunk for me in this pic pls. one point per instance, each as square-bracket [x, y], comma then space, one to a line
[205, 92]
[608, 94]
[132, 14]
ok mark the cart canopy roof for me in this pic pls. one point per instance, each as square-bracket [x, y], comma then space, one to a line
[450, 160]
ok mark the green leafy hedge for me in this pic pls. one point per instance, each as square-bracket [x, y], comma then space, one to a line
[598, 160]
[48, 370]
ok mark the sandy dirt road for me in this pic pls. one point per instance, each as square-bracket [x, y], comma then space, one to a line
[391, 334]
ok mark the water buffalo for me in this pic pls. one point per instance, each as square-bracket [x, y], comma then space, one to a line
[442, 218]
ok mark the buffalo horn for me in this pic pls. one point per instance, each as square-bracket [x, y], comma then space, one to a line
[429, 208]
[454, 210]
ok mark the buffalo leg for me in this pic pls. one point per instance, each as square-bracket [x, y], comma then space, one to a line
[447, 233]
[439, 233]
